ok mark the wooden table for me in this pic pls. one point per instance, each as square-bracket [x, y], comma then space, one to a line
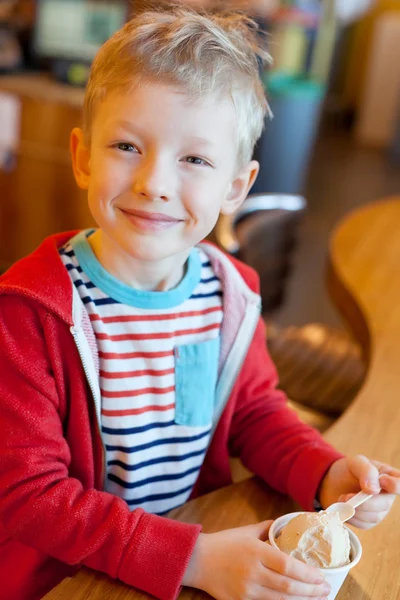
[365, 282]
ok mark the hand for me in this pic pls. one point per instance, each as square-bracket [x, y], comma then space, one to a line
[348, 475]
[236, 564]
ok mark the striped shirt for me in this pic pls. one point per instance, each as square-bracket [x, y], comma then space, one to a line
[156, 421]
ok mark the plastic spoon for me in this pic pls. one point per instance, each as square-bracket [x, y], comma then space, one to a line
[346, 510]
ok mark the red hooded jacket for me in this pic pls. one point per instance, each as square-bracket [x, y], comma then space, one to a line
[54, 514]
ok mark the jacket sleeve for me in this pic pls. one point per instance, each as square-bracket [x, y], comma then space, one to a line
[269, 437]
[43, 507]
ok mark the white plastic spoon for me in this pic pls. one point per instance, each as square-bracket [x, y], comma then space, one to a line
[346, 510]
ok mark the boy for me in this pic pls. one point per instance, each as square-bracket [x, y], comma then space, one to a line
[133, 359]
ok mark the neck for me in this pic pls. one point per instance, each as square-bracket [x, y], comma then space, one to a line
[158, 276]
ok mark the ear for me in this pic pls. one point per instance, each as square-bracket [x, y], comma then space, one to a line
[240, 187]
[80, 155]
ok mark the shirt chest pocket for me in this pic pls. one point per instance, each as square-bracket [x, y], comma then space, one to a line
[196, 371]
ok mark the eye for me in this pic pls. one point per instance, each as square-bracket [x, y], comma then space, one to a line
[195, 160]
[125, 147]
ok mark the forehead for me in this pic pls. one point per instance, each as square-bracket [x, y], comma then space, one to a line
[168, 110]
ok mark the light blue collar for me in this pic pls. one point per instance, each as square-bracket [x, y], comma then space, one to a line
[124, 293]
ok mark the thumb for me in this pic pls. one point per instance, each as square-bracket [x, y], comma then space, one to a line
[260, 530]
[366, 473]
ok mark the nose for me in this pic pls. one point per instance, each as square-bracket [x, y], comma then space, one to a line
[153, 179]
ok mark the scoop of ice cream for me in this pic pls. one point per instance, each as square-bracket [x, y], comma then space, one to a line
[318, 539]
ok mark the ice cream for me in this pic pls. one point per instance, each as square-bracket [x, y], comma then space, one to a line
[318, 539]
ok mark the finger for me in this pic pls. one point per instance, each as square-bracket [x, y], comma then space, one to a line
[366, 472]
[391, 484]
[290, 567]
[261, 593]
[385, 469]
[382, 502]
[291, 587]
[376, 509]
[361, 524]
[370, 516]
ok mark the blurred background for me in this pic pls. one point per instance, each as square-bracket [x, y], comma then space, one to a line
[333, 145]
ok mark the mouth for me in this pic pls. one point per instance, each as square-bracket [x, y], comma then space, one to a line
[150, 221]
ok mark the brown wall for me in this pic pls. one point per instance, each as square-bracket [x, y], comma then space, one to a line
[38, 195]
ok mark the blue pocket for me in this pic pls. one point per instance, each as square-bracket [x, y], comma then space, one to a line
[196, 371]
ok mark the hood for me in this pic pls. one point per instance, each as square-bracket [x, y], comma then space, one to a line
[42, 277]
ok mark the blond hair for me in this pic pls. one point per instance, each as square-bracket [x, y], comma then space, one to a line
[201, 53]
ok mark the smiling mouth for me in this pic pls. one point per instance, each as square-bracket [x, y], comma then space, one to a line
[148, 221]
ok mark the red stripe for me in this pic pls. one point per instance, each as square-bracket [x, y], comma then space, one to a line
[123, 337]
[123, 355]
[124, 374]
[131, 393]
[135, 411]
[168, 317]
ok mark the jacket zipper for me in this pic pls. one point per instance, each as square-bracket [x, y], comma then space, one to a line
[236, 357]
[93, 390]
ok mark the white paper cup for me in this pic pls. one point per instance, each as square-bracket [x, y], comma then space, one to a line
[335, 577]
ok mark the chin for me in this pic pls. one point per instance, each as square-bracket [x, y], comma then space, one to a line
[149, 252]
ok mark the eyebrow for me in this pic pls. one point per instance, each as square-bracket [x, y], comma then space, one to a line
[200, 140]
[135, 128]
[123, 124]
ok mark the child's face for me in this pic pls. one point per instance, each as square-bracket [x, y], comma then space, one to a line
[160, 169]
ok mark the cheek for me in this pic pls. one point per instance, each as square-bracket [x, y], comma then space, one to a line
[108, 175]
[202, 208]
[204, 198]
[106, 184]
